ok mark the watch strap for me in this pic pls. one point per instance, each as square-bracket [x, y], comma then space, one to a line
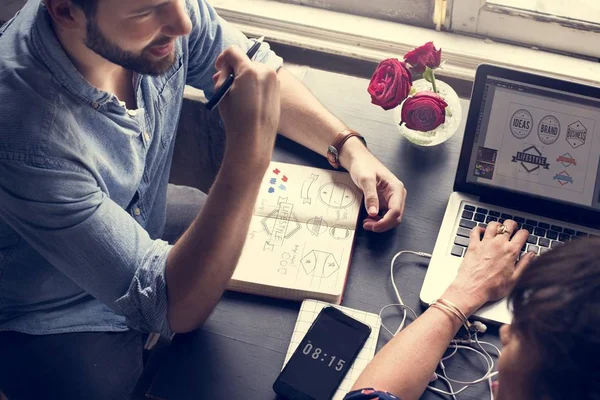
[334, 149]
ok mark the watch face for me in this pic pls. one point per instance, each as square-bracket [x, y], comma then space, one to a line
[333, 156]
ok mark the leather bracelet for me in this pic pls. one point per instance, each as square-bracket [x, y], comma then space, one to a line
[333, 151]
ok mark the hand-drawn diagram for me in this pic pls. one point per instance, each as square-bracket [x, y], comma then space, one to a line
[253, 233]
[280, 224]
[300, 237]
[337, 195]
[316, 226]
[306, 188]
[319, 264]
[339, 232]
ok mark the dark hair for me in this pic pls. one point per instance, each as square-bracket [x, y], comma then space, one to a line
[556, 306]
[88, 6]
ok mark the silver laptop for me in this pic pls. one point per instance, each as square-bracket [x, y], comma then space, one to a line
[531, 153]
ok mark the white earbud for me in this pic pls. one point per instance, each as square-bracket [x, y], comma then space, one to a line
[478, 327]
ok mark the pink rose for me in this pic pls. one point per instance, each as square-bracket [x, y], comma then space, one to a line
[424, 111]
[424, 56]
[390, 84]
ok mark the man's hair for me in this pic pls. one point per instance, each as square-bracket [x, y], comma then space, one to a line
[556, 306]
[88, 6]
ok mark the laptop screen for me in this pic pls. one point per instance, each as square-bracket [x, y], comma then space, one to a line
[538, 141]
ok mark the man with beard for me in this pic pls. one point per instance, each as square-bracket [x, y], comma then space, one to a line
[91, 251]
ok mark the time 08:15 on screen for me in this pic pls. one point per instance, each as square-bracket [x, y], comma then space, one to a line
[317, 353]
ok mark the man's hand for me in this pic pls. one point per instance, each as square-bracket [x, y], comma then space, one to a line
[251, 109]
[384, 194]
[204, 258]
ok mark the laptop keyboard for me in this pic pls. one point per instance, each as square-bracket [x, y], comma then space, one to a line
[542, 236]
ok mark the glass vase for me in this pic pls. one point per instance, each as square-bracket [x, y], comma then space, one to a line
[442, 132]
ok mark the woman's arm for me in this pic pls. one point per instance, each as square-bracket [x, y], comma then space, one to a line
[406, 364]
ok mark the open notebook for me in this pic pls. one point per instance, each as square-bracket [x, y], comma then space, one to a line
[300, 239]
[309, 311]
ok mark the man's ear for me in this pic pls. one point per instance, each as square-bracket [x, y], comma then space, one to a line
[66, 15]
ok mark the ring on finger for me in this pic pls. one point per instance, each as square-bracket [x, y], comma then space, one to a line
[503, 229]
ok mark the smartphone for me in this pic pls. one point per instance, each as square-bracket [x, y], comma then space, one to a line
[323, 357]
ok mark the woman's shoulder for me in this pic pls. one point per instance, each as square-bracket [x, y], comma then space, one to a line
[370, 394]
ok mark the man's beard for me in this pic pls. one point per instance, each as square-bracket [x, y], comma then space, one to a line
[98, 43]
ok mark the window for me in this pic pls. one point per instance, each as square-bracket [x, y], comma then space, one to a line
[571, 26]
[414, 12]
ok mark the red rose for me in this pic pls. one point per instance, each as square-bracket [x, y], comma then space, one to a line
[390, 84]
[424, 56]
[424, 111]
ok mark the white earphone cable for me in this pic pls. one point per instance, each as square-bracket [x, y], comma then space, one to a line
[455, 345]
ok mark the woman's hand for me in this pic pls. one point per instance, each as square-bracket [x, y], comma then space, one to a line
[490, 266]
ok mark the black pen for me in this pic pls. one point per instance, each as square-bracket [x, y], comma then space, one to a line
[224, 88]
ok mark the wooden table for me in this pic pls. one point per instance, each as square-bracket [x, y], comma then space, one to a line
[240, 350]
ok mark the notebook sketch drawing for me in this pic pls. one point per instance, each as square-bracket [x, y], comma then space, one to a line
[299, 243]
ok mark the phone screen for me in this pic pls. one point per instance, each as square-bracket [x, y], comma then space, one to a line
[323, 357]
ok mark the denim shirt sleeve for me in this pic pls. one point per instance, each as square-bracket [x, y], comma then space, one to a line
[211, 35]
[58, 207]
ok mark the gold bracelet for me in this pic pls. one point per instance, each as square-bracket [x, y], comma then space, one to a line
[441, 305]
[454, 306]
[447, 309]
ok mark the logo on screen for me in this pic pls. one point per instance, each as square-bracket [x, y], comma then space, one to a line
[549, 129]
[563, 178]
[531, 159]
[521, 123]
[566, 160]
[576, 134]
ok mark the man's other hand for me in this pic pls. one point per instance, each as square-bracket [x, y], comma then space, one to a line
[384, 194]
[251, 109]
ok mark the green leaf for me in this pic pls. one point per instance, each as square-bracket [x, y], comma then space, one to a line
[428, 75]
[413, 91]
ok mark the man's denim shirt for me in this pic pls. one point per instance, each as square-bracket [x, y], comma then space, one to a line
[83, 180]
